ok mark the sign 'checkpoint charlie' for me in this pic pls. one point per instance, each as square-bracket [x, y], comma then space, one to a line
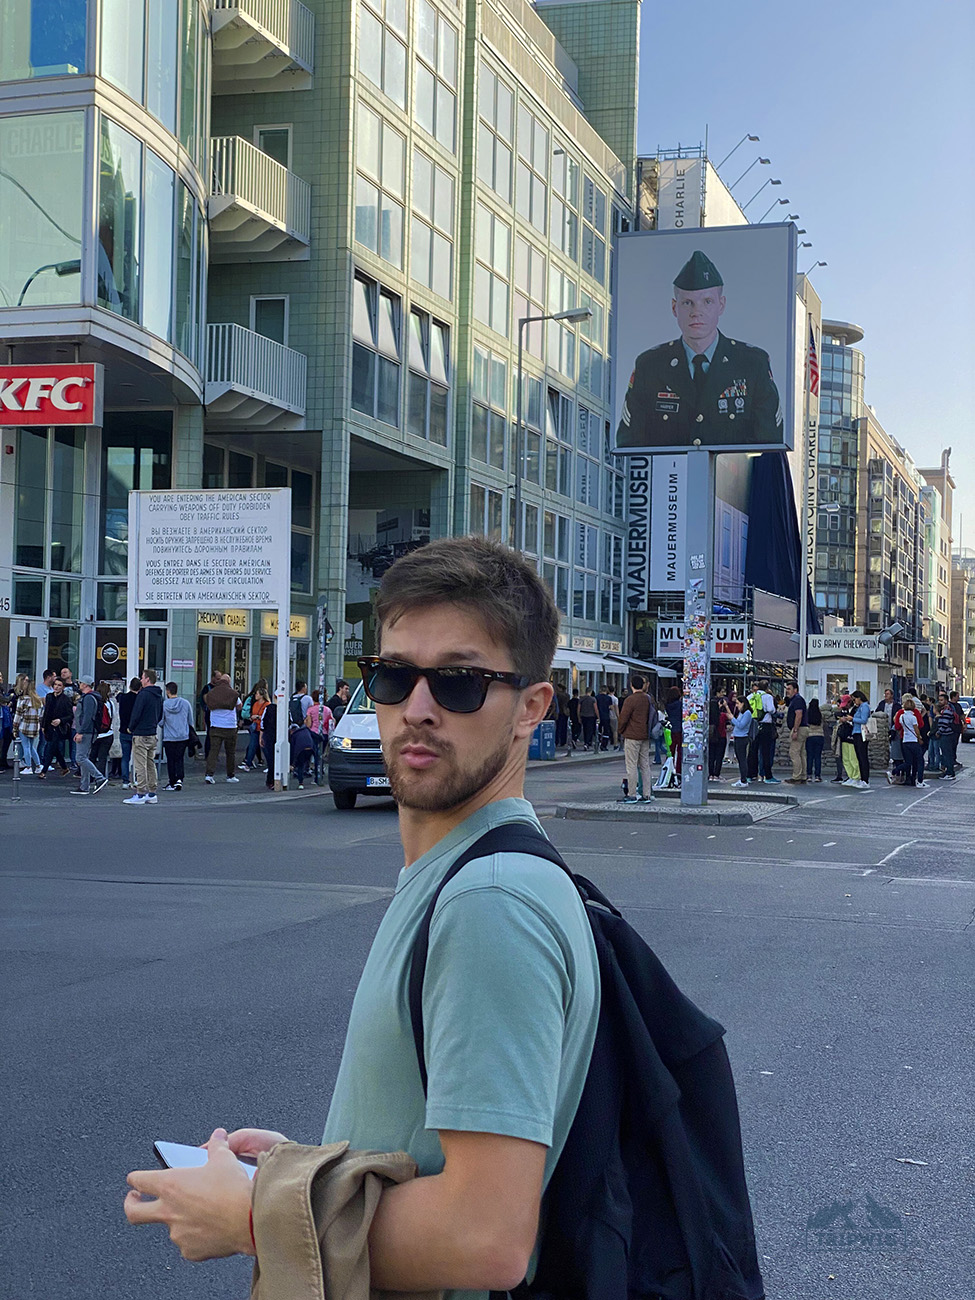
[212, 550]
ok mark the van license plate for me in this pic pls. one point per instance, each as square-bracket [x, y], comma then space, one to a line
[378, 782]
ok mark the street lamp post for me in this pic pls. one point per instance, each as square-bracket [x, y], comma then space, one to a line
[765, 163]
[758, 192]
[754, 140]
[777, 203]
[574, 316]
[813, 267]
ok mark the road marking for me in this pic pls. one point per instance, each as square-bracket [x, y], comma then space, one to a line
[829, 844]
[915, 803]
[894, 852]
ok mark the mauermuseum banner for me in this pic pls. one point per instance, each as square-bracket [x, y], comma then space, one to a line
[705, 339]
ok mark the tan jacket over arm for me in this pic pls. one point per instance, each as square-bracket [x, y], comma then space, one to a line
[313, 1208]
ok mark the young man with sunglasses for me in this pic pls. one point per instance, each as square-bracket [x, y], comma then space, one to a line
[510, 996]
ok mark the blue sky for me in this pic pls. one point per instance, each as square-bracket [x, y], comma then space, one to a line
[867, 112]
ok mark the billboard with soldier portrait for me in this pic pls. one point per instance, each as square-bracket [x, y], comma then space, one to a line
[704, 343]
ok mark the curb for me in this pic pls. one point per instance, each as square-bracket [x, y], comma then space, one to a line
[692, 817]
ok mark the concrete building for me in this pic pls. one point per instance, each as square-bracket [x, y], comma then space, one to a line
[937, 596]
[961, 638]
[299, 239]
[841, 409]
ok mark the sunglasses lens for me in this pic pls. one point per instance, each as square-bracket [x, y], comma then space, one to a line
[390, 683]
[457, 690]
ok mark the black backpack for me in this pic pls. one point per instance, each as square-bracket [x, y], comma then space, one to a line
[648, 1198]
[294, 711]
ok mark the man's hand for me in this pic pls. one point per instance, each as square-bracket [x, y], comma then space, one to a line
[252, 1141]
[206, 1210]
[78, 738]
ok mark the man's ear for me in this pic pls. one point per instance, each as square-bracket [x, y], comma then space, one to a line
[673, 305]
[722, 301]
[535, 701]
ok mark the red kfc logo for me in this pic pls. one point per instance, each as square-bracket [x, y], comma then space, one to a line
[51, 394]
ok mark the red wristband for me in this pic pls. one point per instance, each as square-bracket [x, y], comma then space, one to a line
[250, 1219]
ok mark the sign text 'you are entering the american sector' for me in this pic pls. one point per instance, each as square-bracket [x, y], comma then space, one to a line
[200, 549]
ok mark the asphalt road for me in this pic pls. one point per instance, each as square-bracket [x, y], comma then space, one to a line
[172, 968]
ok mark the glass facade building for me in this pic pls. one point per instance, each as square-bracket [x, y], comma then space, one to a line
[841, 409]
[296, 278]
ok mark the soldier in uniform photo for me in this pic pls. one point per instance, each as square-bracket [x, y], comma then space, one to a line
[703, 385]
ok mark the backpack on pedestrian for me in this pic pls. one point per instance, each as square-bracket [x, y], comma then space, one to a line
[295, 715]
[648, 1198]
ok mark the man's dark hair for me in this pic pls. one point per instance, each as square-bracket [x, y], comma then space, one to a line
[488, 580]
[151, 674]
[794, 685]
[172, 688]
[638, 682]
[673, 694]
[340, 682]
[300, 686]
[48, 672]
[135, 683]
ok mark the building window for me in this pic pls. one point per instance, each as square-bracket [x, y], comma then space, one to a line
[611, 580]
[136, 457]
[496, 108]
[555, 552]
[531, 414]
[593, 230]
[589, 438]
[435, 98]
[382, 54]
[612, 478]
[432, 253]
[428, 378]
[558, 443]
[487, 512]
[565, 202]
[530, 293]
[493, 250]
[375, 351]
[269, 317]
[488, 424]
[275, 141]
[561, 337]
[50, 499]
[302, 487]
[42, 38]
[531, 183]
[380, 154]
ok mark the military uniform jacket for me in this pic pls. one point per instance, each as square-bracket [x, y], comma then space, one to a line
[737, 403]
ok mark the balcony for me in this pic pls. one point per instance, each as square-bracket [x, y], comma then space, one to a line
[253, 383]
[261, 45]
[258, 210]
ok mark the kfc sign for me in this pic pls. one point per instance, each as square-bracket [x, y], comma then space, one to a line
[51, 394]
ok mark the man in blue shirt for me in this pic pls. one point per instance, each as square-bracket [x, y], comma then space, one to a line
[861, 717]
[798, 728]
[511, 992]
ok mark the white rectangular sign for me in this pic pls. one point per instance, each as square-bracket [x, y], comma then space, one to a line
[224, 548]
[678, 193]
[728, 640]
[843, 647]
[667, 522]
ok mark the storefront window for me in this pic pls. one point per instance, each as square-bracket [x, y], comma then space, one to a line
[136, 456]
[29, 597]
[67, 499]
[119, 200]
[31, 482]
[41, 199]
[42, 38]
[111, 601]
[65, 602]
[157, 275]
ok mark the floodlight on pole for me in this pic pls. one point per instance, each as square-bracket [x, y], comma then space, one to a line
[793, 216]
[764, 162]
[813, 267]
[805, 244]
[770, 181]
[573, 316]
[777, 203]
[754, 140]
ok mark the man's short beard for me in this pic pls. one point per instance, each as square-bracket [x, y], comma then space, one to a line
[453, 789]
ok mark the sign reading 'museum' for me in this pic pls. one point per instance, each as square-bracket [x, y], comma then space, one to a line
[200, 549]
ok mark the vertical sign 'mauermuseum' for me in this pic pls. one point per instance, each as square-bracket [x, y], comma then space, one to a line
[638, 531]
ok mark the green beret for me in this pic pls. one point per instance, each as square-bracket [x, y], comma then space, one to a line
[698, 272]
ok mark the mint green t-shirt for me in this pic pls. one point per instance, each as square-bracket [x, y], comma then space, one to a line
[510, 1002]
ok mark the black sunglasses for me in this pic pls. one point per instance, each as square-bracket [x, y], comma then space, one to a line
[458, 690]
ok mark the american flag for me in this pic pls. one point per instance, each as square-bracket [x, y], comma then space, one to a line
[813, 363]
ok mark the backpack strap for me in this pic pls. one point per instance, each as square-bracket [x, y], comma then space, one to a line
[512, 837]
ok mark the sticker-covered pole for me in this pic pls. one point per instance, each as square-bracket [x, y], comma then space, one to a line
[132, 666]
[698, 599]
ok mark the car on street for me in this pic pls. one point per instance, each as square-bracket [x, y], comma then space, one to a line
[968, 726]
[355, 757]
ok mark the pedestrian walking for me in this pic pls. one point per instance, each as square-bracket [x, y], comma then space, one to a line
[861, 720]
[125, 703]
[588, 713]
[102, 747]
[299, 704]
[255, 701]
[177, 718]
[908, 724]
[562, 718]
[27, 729]
[718, 719]
[87, 723]
[269, 735]
[675, 716]
[224, 704]
[319, 722]
[761, 752]
[797, 725]
[845, 739]
[56, 725]
[144, 720]
[657, 733]
[509, 1024]
[614, 720]
[603, 709]
[637, 719]
[575, 720]
[741, 729]
[815, 741]
[946, 729]
[302, 753]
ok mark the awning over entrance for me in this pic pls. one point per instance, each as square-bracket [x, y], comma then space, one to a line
[648, 667]
[585, 661]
